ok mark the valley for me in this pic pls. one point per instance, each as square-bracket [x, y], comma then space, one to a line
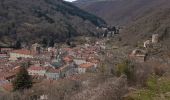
[85, 50]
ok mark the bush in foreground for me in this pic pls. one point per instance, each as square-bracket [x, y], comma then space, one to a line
[22, 80]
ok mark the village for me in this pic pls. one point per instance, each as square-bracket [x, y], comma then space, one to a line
[48, 63]
[54, 63]
[50, 66]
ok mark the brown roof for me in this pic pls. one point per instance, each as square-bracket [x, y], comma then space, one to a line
[15, 69]
[3, 49]
[7, 87]
[9, 75]
[52, 70]
[86, 65]
[68, 59]
[23, 51]
[38, 68]
[138, 52]
[93, 60]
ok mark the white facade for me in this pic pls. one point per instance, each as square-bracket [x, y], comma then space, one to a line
[37, 72]
[81, 70]
[53, 75]
[17, 55]
[79, 61]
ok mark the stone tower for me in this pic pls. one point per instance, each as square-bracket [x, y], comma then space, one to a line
[36, 48]
[155, 38]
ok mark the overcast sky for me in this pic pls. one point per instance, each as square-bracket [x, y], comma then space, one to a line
[70, 0]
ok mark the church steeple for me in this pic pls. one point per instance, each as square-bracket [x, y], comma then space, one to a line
[57, 62]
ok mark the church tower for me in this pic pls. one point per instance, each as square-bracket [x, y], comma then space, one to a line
[36, 48]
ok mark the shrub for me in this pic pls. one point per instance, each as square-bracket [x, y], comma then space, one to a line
[157, 87]
[22, 80]
[159, 70]
[102, 69]
[127, 68]
[152, 82]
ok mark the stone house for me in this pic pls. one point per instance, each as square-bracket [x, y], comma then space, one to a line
[4, 56]
[9, 76]
[53, 74]
[86, 67]
[147, 44]
[155, 38]
[71, 69]
[68, 59]
[37, 70]
[22, 53]
[138, 55]
[36, 48]
[5, 50]
[79, 61]
[63, 71]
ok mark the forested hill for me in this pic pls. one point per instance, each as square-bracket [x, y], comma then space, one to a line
[120, 12]
[139, 18]
[34, 20]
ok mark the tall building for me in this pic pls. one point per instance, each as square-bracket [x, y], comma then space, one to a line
[36, 48]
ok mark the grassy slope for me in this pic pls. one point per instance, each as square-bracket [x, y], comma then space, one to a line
[157, 89]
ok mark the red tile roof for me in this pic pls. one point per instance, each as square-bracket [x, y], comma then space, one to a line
[1, 77]
[6, 49]
[86, 65]
[23, 51]
[37, 68]
[3, 55]
[9, 75]
[15, 69]
[52, 70]
[68, 59]
[8, 87]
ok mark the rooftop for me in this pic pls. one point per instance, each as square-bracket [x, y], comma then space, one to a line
[23, 51]
[7, 87]
[37, 68]
[86, 65]
[52, 70]
[68, 59]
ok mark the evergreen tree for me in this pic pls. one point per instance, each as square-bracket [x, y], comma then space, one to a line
[26, 64]
[18, 44]
[22, 80]
[44, 42]
[68, 42]
[51, 43]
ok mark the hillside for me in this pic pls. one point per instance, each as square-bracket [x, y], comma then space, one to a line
[33, 20]
[156, 22]
[140, 18]
[120, 12]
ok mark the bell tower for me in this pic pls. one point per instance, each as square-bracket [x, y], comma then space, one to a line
[36, 48]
